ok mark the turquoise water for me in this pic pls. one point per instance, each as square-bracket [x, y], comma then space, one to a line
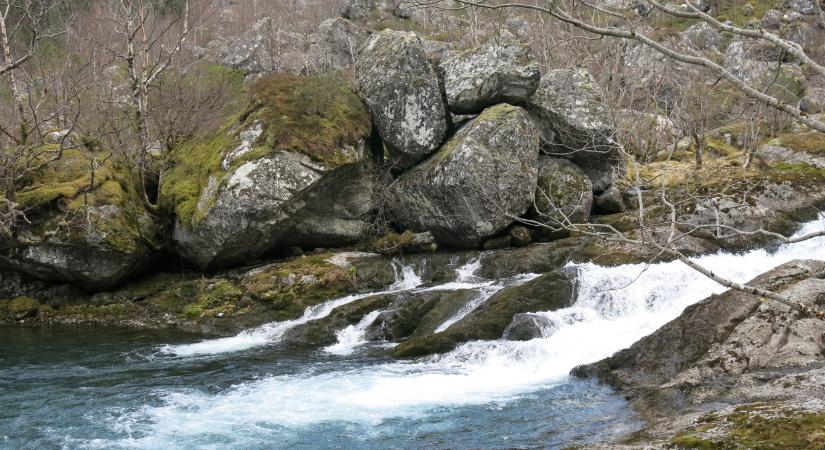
[90, 388]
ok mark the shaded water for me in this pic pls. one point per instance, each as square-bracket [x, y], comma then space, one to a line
[86, 388]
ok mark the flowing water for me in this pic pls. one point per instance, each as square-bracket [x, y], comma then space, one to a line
[65, 388]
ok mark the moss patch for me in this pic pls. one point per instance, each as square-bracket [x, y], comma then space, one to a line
[758, 425]
[316, 115]
[812, 142]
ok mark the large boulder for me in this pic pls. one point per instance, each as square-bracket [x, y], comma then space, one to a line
[339, 41]
[402, 91]
[90, 230]
[569, 107]
[564, 196]
[475, 185]
[293, 170]
[484, 76]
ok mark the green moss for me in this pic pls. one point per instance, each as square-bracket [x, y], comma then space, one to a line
[317, 115]
[191, 167]
[294, 285]
[22, 306]
[392, 243]
[759, 425]
[812, 142]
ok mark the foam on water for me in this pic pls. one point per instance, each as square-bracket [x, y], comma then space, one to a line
[406, 279]
[352, 336]
[615, 307]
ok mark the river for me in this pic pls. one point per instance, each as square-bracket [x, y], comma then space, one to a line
[92, 388]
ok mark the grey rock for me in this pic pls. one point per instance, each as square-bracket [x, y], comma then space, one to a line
[776, 151]
[570, 111]
[474, 186]
[702, 37]
[770, 206]
[484, 76]
[340, 40]
[277, 201]
[402, 91]
[564, 195]
[772, 20]
[805, 7]
[610, 201]
[813, 102]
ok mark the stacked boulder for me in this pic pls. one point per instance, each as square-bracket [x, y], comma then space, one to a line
[468, 184]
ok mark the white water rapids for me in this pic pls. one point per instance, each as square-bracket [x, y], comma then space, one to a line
[615, 307]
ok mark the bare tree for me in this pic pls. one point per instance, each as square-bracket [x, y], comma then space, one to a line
[147, 43]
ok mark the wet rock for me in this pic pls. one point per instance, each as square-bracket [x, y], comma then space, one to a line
[570, 111]
[729, 347]
[489, 321]
[474, 186]
[298, 180]
[418, 314]
[401, 89]
[340, 40]
[481, 77]
[564, 196]
[323, 331]
[526, 326]
[610, 201]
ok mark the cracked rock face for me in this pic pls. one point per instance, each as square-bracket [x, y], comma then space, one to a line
[401, 89]
[476, 184]
[570, 111]
[488, 75]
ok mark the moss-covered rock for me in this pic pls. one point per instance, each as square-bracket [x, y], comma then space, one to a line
[22, 307]
[564, 196]
[290, 170]
[548, 292]
[769, 426]
[86, 226]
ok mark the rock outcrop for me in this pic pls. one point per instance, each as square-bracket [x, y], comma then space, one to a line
[575, 124]
[476, 184]
[90, 230]
[292, 171]
[477, 78]
[402, 90]
[732, 347]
